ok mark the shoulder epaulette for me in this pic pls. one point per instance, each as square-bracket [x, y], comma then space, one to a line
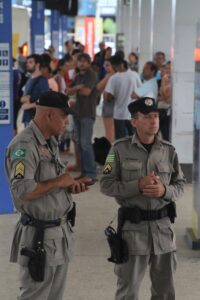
[122, 140]
[167, 143]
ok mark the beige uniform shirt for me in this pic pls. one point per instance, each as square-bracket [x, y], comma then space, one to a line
[30, 160]
[128, 161]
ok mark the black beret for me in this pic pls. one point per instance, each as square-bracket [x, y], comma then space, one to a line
[55, 99]
[143, 105]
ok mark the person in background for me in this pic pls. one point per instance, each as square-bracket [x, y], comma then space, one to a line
[33, 88]
[69, 47]
[54, 60]
[133, 61]
[160, 60]
[165, 101]
[119, 88]
[108, 106]
[47, 72]
[60, 76]
[149, 87]
[85, 108]
[98, 61]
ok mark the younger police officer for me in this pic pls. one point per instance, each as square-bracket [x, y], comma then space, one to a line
[143, 174]
[41, 191]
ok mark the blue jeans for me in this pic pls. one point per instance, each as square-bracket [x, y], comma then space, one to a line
[84, 127]
[123, 128]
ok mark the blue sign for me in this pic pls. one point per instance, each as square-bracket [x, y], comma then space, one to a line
[37, 27]
[87, 8]
[6, 96]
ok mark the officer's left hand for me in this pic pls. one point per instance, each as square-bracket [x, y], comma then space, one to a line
[156, 190]
[78, 187]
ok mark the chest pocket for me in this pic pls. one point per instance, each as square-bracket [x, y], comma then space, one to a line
[165, 171]
[48, 169]
[131, 169]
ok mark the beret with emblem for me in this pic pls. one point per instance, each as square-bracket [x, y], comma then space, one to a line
[143, 105]
[55, 100]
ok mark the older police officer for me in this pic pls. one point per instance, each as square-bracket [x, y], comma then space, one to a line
[143, 174]
[41, 190]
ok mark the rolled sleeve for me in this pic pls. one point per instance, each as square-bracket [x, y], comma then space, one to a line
[21, 170]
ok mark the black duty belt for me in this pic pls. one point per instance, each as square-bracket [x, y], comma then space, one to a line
[136, 215]
[70, 217]
[28, 220]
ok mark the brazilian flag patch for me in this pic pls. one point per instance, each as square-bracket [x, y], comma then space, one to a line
[19, 153]
[19, 171]
[107, 169]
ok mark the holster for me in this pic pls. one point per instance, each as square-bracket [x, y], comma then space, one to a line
[36, 254]
[118, 246]
[71, 216]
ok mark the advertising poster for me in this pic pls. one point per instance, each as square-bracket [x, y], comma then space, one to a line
[89, 36]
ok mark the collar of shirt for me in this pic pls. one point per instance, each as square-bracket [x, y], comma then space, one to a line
[39, 136]
[135, 140]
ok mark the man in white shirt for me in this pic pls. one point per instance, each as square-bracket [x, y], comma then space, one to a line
[119, 88]
[149, 88]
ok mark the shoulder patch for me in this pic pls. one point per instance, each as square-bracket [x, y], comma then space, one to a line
[19, 153]
[107, 169]
[110, 158]
[19, 171]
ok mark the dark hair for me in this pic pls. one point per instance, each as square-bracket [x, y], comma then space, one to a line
[152, 66]
[125, 64]
[76, 51]
[61, 63]
[134, 54]
[116, 60]
[160, 53]
[84, 56]
[45, 59]
[120, 53]
[36, 57]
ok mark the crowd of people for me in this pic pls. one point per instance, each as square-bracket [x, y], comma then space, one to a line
[108, 79]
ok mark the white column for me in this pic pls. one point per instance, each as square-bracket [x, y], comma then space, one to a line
[135, 26]
[128, 22]
[186, 16]
[146, 32]
[162, 27]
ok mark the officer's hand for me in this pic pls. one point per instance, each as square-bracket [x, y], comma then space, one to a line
[148, 180]
[65, 180]
[156, 190]
[78, 187]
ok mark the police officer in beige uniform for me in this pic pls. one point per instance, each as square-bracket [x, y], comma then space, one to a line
[41, 190]
[143, 174]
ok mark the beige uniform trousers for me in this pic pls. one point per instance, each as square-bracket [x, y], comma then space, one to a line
[52, 288]
[130, 275]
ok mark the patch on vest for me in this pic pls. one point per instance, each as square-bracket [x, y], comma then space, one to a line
[19, 153]
[107, 169]
[19, 171]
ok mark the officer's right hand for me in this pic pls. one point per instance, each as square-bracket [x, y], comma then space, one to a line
[147, 180]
